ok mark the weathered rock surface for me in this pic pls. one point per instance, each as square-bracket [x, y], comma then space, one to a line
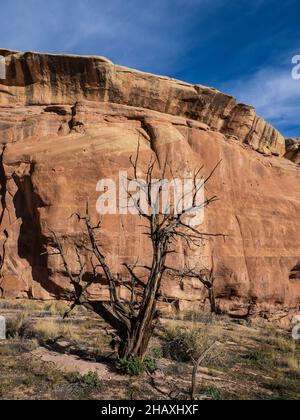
[293, 150]
[66, 122]
[43, 79]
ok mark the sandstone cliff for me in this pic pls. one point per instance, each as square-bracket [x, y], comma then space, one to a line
[293, 150]
[68, 121]
[36, 79]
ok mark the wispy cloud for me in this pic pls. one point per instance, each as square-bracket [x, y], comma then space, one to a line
[149, 35]
[274, 94]
[217, 42]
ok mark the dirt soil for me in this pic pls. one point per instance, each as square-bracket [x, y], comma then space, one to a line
[72, 359]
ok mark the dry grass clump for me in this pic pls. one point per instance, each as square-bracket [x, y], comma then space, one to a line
[43, 330]
[293, 365]
[59, 307]
[55, 307]
[283, 344]
[205, 317]
[187, 344]
[16, 347]
[20, 326]
[19, 304]
[198, 316]
[51, 330]
[47, 330]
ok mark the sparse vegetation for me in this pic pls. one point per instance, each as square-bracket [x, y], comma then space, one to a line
[19, 326]
[252, 362]
[134, 318]
[90, 380]
[133, 366]
[211, 392]
[43, 330]
[184, 345]
[259, 358]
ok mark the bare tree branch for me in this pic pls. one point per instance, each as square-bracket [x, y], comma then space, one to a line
[135, 318]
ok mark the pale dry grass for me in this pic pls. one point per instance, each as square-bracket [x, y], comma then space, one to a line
[50, 330]
[18, 326]
[293, 364]
[184, 344]
[55, 307]
[44, 330]
[20, 304]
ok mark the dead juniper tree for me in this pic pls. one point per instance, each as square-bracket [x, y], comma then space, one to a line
[206, 278]
[135, 318]
[3, 239]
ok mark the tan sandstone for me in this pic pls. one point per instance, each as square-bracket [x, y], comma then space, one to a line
[68, 121]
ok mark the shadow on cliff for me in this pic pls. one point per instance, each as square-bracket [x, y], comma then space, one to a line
[31, 244]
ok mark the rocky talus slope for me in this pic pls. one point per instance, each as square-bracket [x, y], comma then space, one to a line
[68, 121]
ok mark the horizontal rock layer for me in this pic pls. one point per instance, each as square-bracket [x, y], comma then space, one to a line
[41, 79]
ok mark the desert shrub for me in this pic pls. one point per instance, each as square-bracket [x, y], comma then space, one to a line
[157, 353]
[211, 392]
[259, 358]
[184, 345]
[150, 364]
[152, 358]
[19, 326]
[43, 330]
[46, 330]
[91, 380]
[132, 366]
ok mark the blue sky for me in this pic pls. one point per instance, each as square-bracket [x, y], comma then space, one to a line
[242, 47]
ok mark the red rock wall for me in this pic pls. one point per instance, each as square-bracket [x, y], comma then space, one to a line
[56, 146]
[36, 79]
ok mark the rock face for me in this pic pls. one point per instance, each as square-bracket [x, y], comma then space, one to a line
[67, 121]
[35, 79]
[293, 150]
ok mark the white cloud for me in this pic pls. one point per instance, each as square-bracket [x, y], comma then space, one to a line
[150, 35]
[274, 94]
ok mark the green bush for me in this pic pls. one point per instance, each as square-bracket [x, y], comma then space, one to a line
[90, 380]
[157, 353]
[132, 366]
[150, 364]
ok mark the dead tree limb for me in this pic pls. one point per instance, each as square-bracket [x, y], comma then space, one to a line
[197, 364]
[206, 278]
[135, 319]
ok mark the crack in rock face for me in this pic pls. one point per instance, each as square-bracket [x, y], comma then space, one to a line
[295, 273]
[67, 122]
